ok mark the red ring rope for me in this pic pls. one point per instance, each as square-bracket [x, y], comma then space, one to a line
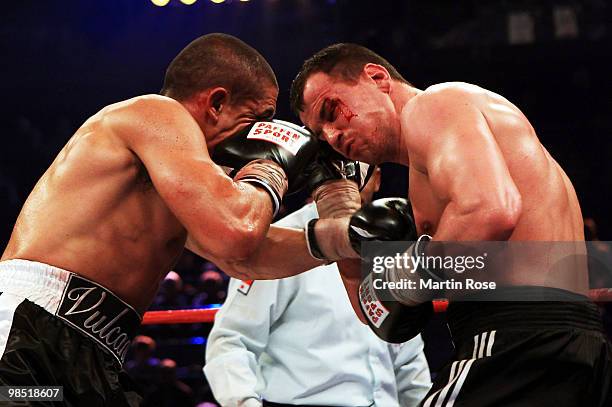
[194, 316]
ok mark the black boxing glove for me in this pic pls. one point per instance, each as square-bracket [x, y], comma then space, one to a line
[391, 320]
[385, 309]
[390, 219]
[386, 219]
[268, 154]
[334, 182]
[394, 314]
[330, 165]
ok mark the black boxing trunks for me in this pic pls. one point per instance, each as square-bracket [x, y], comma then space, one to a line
[59, 329]
[537, 346]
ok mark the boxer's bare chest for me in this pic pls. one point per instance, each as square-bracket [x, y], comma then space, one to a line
[426, 206]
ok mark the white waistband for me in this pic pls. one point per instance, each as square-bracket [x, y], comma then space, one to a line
[38, 282]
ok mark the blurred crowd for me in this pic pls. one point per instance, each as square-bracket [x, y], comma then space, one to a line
[166, 361]
[207, 288]
[158, 378]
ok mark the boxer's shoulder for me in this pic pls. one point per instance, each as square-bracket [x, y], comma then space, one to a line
[443, 98]
[153, 101]
[144, 117]
[452, 89]
[144, 108]
[441, 104]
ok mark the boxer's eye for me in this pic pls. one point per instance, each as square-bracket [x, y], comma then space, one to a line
[332, 111]
[266, 115]
[327, 112]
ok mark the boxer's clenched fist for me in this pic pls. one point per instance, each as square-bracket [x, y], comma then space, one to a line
[330, 165]
[386, 219]
[335, 181]
[269, 154]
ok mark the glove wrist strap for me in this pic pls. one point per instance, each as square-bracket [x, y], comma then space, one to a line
[311, 241]
[337, 198]
[328, 239]
[268, 175]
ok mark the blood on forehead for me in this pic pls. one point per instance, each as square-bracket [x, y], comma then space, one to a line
[346, 111]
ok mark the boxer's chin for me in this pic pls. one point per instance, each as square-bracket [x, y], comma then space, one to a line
[364, 154]
[353, 153]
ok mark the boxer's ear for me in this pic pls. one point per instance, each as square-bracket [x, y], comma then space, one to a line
[379, 75]
[214, 102]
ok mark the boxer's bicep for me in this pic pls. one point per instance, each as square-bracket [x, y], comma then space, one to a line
[466, 168]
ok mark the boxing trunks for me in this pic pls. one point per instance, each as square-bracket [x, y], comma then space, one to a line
[59, 329]
[536, 347]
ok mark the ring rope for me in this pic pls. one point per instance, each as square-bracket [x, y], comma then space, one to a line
[195, 316]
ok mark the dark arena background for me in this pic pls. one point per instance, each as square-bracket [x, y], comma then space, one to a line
[62, 61]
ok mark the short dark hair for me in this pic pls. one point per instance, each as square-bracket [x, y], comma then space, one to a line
[344, 61]
[218, 60]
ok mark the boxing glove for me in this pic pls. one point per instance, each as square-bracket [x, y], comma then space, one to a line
[330, 165]
[269, 154]
[391, 320]
[390, 219]
[386, 220]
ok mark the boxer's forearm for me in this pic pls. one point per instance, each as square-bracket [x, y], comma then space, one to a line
[282, 253]
[328, 239]
[223, 218]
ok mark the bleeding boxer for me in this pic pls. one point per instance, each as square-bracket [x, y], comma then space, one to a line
[477, 172]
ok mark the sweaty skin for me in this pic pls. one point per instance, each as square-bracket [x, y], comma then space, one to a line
[477, 170]
[121, 198]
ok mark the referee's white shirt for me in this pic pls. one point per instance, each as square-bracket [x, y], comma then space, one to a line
[297, 341]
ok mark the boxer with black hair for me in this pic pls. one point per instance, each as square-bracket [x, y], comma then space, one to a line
[133, 186]
[477, 172]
